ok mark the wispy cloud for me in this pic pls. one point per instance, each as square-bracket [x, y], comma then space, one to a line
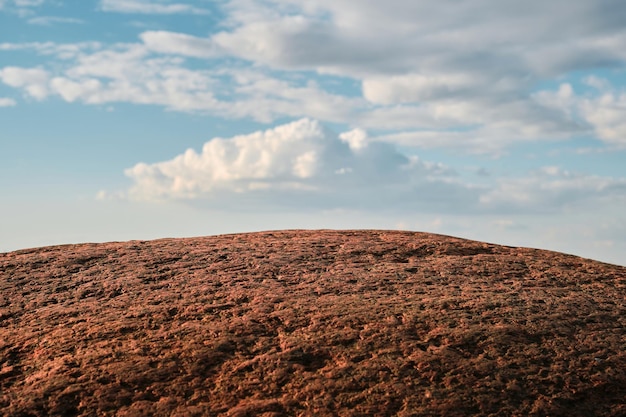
[132, 73]
[28, 3]
[51, 20]
[180, 44]
[22, 8]
[20, 3]
[551, 189]
[7, 102]
[62, 51]
[149, 7]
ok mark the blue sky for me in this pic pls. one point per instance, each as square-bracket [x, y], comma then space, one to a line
[137, 119]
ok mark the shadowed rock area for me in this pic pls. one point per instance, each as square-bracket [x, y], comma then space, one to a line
[310, 323]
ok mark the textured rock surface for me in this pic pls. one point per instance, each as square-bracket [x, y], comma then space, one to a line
[310, 323]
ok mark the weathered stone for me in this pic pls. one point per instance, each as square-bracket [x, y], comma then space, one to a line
[346, 323]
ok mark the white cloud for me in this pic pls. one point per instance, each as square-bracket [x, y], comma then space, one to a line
[306, 166]
[21, 3]
[50, 20]
[411, 88]
[179, 44]
[551, 189]
[357, 139]
[62, 51]
[607, 114]
[121, 74]
[132, 73]
[288, 156]
[597, 83]
[298, 164]
[7, 102]
[427, 78]
[473, 70]
[32, 80]
[22, 8]
[604, 113]
[73, 90]
[148, 7]
[266, 99]
[398, 37]
[28, 3]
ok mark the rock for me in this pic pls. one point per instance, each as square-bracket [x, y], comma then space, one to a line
[310, 323]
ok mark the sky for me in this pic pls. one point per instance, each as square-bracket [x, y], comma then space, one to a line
[495, 120]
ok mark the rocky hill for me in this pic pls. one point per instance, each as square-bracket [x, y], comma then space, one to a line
[310, 323]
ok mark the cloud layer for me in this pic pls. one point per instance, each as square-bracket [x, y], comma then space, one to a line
[479, 79]
[304, 164]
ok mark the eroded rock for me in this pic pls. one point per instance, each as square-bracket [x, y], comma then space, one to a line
[310, 323]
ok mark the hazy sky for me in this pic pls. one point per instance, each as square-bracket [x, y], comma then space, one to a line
[496, 120]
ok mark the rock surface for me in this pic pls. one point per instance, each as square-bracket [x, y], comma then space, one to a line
[324, 323]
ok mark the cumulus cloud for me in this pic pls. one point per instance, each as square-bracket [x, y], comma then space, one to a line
[148, 7]
[305, 165]
[300, 163]
[289, 156]
[357, 138]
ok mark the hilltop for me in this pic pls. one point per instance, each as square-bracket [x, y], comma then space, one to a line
[322, 323]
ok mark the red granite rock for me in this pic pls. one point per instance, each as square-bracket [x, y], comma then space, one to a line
[310, 323]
